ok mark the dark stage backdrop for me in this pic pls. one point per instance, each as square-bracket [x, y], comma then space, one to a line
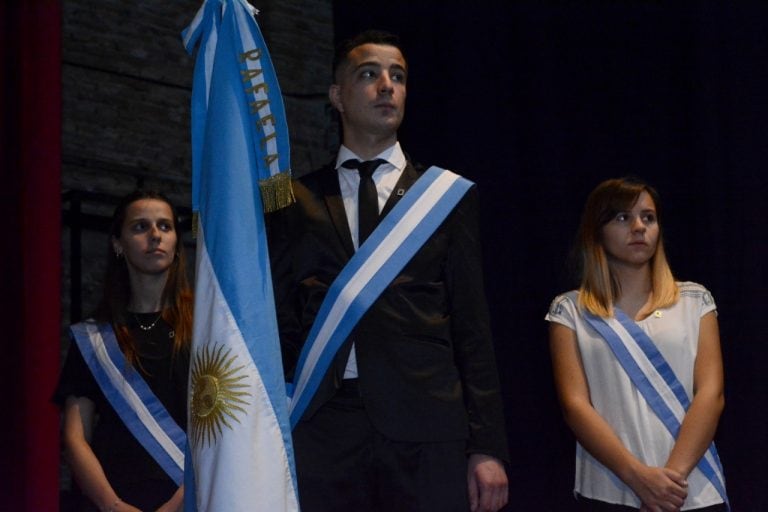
[538, 102]
[30, 169]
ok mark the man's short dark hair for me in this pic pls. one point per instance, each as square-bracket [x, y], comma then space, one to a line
[367, 37]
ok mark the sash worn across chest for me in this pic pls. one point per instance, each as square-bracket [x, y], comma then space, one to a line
[141, 411]
[398, 237]
[656, 381]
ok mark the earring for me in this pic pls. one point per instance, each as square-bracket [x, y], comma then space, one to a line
[118, 253]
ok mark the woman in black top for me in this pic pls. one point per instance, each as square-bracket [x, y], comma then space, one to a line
[148, 303]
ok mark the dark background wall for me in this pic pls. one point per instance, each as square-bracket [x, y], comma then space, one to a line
[538, 102]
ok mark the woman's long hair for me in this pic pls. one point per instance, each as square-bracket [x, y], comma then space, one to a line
[177, 302]
[599, 288]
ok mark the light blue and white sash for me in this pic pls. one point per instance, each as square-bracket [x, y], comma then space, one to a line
[656, 381]
[136, 404]
[393, 243]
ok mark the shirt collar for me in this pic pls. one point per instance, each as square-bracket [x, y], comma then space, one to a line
[393, 155]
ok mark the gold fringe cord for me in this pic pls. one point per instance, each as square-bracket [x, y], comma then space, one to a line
[195, 220]
[276, 192]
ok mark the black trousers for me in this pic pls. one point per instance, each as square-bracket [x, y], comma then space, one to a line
[344, 464]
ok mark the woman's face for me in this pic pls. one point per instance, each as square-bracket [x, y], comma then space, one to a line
[630, 238]
[148, 237]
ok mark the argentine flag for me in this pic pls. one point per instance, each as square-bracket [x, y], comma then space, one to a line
[240, 455]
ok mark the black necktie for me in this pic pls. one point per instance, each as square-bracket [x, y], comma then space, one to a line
[367, 197]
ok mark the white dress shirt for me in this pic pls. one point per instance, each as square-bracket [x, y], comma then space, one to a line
[385, 178]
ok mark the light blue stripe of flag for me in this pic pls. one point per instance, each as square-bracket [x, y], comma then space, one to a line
[203, 30]
[268, 127]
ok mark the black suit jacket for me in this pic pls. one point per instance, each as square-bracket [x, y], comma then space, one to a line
[426, 366]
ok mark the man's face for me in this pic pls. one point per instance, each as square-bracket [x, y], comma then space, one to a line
[370, 91]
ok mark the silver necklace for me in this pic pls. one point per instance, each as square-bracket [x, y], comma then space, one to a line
[150, 326]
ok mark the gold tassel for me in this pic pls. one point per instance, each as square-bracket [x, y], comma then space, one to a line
[276, 192]
[195, 220]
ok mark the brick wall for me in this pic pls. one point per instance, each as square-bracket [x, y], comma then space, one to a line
[126, 92]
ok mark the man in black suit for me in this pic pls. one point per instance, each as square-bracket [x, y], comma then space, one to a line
[409, 415]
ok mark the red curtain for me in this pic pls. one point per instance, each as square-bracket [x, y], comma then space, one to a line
[30, 210]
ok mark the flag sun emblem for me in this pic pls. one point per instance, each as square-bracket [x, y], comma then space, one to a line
[217, 393]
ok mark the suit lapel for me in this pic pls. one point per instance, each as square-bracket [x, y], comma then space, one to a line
[409, 176]
[329, 182]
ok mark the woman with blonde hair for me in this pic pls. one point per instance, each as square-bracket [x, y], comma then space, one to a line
[637, 364]
[123, 387]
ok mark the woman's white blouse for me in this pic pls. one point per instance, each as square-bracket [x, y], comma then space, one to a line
[675, 332]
